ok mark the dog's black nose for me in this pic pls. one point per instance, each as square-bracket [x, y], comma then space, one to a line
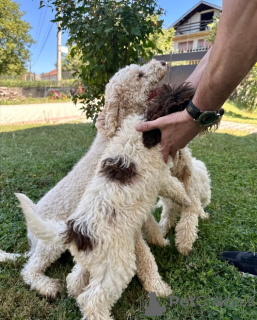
[163, 63]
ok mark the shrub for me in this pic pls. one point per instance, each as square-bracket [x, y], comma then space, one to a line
[246, 93]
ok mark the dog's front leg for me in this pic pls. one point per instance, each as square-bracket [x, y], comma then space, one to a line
[187, 227]
[108, 278]
[172, 188]
[153, 233]
[147, 270]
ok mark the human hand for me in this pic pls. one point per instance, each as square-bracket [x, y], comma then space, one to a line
[177, 130]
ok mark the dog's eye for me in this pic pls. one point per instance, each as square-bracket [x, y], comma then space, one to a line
[140, 75]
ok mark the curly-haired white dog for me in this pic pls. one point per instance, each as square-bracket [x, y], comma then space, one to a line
[195, 177]
[190, 171]
[126, 93]
[102, 233]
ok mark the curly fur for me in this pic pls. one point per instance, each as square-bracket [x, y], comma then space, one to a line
[112, 262]
[196, 179]
[126, 93]
[191, 172]
[168, 100]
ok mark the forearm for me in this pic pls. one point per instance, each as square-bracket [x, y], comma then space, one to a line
[233, 54]
[196, 75]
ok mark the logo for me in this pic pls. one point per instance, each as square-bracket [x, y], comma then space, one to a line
[153, 309]
[150, 307]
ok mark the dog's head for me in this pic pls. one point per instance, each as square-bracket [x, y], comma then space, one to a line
[127, 92]
[168, 99]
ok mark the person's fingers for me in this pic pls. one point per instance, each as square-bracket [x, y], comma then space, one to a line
[146, 126]
[165, 155]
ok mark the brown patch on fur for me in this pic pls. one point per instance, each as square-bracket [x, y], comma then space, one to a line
[118, 169]
[83, 242]
[168, 100]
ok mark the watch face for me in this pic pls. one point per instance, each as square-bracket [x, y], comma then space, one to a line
[207, 118]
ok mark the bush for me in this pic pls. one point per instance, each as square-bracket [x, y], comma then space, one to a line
[35, 83]
[246, 93]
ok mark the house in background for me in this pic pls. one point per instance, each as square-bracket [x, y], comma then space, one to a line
[192, 28]
[52, 75]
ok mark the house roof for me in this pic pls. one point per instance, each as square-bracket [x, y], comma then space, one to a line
[200, 6]
[51, 73]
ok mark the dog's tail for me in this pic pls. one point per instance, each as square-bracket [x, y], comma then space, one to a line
[46, 230]
[6, 256]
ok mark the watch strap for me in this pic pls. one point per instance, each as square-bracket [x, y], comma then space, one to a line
[193, 111]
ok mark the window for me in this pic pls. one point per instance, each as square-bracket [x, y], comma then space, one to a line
[185, 46]
[201, 44]
[206, 18]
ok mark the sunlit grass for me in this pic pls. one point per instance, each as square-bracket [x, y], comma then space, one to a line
[35, 157]
[236, 114]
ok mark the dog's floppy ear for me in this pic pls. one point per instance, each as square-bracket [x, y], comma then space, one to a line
[119, 169]
[108, 120]
[83, 242]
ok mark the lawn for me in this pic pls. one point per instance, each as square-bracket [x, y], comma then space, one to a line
[234, 113]
[36, 157]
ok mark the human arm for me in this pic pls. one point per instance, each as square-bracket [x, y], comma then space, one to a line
[233, 54]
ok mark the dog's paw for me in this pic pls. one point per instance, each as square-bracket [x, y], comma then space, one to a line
[161, 242]
[166, 242]
[184, 249]
[50, 288]
[203, 215]
[162, 289]
[93, 317]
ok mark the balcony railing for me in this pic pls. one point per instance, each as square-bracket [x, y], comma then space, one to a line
[193, 27]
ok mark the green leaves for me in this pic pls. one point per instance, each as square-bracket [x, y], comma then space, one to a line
[109, 35]
[246, 93]
[14, 39]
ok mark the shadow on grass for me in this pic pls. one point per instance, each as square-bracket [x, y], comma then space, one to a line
[238, 116]
[35, 159]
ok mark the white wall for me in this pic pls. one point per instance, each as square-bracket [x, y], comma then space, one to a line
[197, 17]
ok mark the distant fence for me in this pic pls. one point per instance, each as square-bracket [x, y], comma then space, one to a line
[39, 92]
[179, 73]
[66, 75]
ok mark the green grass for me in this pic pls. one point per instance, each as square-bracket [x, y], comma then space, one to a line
[236, 114]
[35, 158]
[19, 101]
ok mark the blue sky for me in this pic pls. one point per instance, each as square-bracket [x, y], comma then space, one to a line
[44, 32]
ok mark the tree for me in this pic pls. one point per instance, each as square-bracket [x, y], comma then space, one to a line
[71, 63]
[14, 39]
[163, 40]
[109, 35]
[213, 30]
[246, 92]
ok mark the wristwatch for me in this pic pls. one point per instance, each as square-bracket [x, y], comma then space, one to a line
[204, 118]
